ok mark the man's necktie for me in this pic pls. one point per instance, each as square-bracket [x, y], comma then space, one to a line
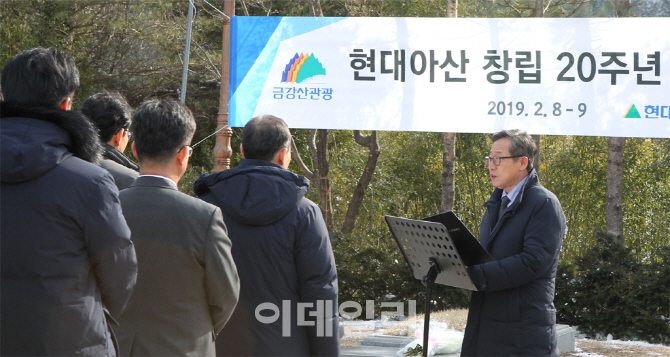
[503, 206]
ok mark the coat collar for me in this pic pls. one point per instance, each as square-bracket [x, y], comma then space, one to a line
[154, 181]
[84, 141]
[493, 205]
[494, 200]
[112, 153]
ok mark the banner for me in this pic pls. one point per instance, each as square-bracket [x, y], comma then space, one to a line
[602, 76]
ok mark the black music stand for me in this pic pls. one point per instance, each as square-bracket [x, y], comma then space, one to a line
[437, 250]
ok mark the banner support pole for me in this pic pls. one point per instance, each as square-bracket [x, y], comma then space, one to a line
[222, 149]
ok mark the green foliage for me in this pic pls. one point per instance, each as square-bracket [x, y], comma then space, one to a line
[376, 270]
[575, 170]
[608, 290]
[646, 193]
[133, 47]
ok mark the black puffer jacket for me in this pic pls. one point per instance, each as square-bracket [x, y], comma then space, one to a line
[66, 250]
[513, 312]
[283, 257]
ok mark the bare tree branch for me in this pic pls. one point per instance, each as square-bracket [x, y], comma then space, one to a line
[359, 192]
[362, 140]
[296, 156]
[311, 144]
[213, 67]
[244, 8]
[511, 6]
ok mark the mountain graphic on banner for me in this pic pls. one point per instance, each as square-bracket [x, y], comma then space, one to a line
[632, 112]
[301, 68]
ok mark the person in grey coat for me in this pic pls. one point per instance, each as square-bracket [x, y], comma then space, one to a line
[512, 313]
[288, 295]
[111, 114]
[68, 265]
[187, 285]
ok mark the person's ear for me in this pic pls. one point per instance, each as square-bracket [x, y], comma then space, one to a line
[66, 104]
[284, 157]
[524, 163]
[118, 136]
[182, 156]
[132, 146]
[242, 151]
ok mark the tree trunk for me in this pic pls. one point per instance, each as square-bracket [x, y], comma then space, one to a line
[452, 8]
[320, 176]
[536, 159]
[449, 146]
[614, 191]
[613, 201]
[539, 8]
[448, 171]
[539, 12]
[315, 8]
[323, 167]
[319, 151]
[354, 208]
[622, 7]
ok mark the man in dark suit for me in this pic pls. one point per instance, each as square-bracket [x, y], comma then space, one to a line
[187, 284]
[512, 313]
[111, 114]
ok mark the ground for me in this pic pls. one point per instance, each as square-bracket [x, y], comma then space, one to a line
[355, 331]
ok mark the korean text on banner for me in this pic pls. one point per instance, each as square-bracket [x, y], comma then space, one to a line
[605, 77]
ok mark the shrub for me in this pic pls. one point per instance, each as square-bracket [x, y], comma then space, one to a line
[379, 272]
[608, 290]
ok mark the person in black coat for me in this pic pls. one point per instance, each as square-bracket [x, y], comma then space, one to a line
[111, 114]
[512, 313]
[288, 281]
[68, 266]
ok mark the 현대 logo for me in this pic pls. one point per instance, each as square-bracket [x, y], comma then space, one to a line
[650, 112]
[632, 112]
[303, 68]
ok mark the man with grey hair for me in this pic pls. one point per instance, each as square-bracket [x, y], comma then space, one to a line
[512, 312]
[281, 248]
[188, 285]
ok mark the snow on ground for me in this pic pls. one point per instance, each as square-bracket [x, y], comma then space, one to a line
[356, 330]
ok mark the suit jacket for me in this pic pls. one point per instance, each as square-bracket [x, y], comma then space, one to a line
[512, 313]
[122, 169]
[123, 176]
[187, 284]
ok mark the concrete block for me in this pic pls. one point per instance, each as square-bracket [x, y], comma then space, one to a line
[566, 338]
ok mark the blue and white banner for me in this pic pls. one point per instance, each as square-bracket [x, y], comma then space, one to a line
[605, 77]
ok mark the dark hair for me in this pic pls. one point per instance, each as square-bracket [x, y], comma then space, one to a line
[161, 128]
[40, 77]
[109, 111]
[264, 136]
[522, 144]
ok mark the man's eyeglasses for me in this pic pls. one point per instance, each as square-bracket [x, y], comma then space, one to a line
[496, 159]
[130, 135]
[190, 150]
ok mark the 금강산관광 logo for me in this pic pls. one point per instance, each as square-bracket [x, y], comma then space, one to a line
[303, 68]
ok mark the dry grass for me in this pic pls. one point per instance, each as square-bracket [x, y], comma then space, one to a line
[354, 334]
[450, 319]
[595, 348]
